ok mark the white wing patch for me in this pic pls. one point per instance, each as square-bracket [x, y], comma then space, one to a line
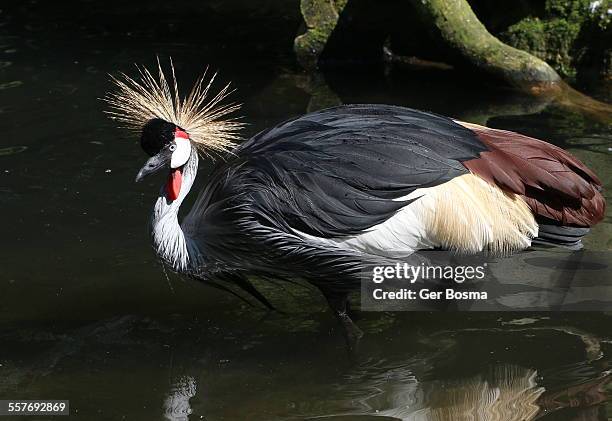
[399, 236]
[465, 214]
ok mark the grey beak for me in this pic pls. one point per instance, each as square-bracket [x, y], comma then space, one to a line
[154, 164]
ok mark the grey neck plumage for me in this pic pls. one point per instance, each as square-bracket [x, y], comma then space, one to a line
[169, 240]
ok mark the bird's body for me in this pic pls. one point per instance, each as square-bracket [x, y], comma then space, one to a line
[320, 196]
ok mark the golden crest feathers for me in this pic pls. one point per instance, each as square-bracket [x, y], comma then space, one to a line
[136, 101]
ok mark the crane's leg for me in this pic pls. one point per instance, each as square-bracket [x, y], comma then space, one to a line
[340, 306]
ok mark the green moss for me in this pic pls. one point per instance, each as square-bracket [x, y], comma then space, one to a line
[556, 37]
[340, 4]
[567, 9]
[529, 34]
[320, 17]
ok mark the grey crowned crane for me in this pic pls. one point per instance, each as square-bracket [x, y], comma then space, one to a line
[316, 196]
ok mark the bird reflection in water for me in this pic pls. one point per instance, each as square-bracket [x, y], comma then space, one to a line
[176, 405]
[506, 393]
[509, 394]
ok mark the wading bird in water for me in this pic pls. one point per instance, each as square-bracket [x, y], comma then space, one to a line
[318, 195]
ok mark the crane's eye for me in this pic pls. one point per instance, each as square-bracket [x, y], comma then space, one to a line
[172, 147]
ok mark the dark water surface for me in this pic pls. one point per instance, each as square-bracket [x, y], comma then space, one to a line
[86, 313]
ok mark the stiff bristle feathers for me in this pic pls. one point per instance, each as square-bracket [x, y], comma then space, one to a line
[137, 101]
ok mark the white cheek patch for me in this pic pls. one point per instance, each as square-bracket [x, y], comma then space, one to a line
[182, 152]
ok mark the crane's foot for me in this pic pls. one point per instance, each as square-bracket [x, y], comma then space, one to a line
[352, 333]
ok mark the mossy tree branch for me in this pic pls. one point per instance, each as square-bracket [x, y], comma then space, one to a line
[461, 30]
[457, 25]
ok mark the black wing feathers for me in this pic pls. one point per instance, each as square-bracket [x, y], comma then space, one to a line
[336, 172]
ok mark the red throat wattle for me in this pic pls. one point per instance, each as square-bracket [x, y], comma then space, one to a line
[173, 187]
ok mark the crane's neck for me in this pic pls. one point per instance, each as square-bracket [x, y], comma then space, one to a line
[169, 240]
